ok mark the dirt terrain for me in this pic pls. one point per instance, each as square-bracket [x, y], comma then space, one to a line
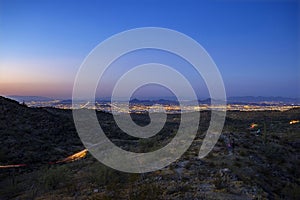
[261, 164]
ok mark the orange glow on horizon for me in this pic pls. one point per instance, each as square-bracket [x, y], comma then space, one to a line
[37, 89]
[37, 77]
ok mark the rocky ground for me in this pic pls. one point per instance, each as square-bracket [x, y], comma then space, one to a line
[262, 166]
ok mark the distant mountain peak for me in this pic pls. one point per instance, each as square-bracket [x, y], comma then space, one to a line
[20, 98]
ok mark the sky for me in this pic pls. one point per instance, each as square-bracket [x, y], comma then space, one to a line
[254, 43]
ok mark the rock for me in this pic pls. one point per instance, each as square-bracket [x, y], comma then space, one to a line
[96, 190]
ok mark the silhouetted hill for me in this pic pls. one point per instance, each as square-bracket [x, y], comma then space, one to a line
[35, 135]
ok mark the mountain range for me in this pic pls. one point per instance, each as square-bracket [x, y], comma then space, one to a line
[259, 100]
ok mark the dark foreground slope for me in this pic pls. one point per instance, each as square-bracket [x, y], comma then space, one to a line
[262, 166]
[35, 135]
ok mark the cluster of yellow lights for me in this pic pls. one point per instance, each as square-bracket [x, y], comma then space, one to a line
[294, 121]
[75, 156]
[253, 125]
[12, 166]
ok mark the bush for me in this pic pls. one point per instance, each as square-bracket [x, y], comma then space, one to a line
[146, 191]
[291, 191]
[102, 175]
[54, 177]
[2, 156]
[220, 182]
[243, 153]
[99, 174]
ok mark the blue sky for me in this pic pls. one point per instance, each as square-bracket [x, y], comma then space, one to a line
[255, 44]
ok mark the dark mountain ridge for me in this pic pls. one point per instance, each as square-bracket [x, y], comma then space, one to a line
[35, 135]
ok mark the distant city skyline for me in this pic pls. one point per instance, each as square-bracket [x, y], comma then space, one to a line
[255, 44]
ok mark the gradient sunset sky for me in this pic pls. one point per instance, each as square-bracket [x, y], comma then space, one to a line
[255, 44]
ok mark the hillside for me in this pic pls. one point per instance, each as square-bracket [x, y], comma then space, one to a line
[35, 135]
[261, 166]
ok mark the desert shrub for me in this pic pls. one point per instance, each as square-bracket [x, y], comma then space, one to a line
[246, 146]
[237, 164]
[146, 191]
[185, 188]
[144, 145]
[101, 175]
[10, 191]
[274, 152]
[210, 156]
[188, 165]
[243, 153]
[54, 177]
[211, 164]
[291, 191]
[220, 182]
[31, 193]
[2, 156]
[11, 188]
